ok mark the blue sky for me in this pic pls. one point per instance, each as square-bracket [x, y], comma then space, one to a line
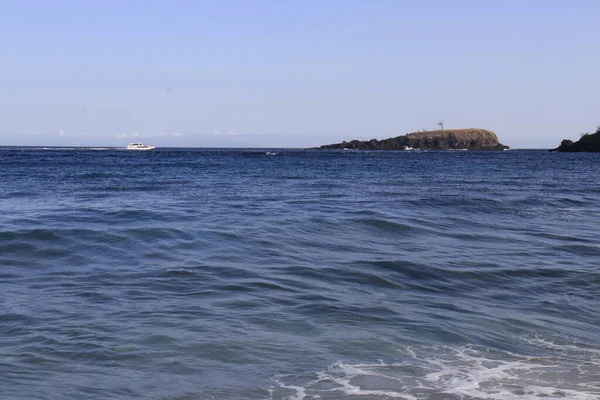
[295, 73]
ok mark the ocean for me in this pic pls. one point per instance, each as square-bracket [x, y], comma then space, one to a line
[187, 274]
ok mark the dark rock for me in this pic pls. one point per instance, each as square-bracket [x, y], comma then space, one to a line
[588, 142]
[448, 139]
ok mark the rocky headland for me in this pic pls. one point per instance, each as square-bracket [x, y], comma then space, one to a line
[589, 142]
[447, 139]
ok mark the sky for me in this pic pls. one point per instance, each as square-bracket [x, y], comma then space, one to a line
[288, 73]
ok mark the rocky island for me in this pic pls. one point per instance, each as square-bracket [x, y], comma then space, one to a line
[443, 139]
[588, 142]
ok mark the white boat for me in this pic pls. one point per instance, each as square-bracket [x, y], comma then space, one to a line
[139, 146]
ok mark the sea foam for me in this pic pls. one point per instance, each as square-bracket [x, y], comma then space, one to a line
[557, 370]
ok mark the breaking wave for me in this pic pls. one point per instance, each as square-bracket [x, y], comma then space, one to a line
[551, 370]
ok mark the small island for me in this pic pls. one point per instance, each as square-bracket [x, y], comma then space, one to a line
[443, 139]
[589, 142]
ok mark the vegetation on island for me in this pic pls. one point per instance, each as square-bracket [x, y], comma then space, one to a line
[443, 139]
[589, 142]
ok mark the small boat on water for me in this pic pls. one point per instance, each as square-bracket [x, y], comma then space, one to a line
[139, 146]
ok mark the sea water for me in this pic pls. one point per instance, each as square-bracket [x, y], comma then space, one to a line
[295, 274]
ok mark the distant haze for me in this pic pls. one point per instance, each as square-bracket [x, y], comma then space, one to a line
[295, 74]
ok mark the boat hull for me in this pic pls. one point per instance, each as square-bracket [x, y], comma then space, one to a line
[139, 146]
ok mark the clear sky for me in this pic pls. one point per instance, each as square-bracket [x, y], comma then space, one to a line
[295, 73]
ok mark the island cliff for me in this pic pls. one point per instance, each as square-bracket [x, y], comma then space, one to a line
[447, 139]
[588, 142]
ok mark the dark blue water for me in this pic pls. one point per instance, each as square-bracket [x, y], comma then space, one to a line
[237, 274]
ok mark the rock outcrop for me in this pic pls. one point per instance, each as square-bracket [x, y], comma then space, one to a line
[447, 139]
[588, 142]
